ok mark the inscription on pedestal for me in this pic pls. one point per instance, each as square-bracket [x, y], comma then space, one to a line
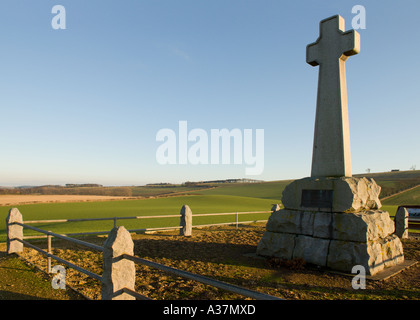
[317, 199]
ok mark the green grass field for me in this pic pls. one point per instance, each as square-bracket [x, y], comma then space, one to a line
[128, 208]
[267, 190]
[410, 197]
[237, 197]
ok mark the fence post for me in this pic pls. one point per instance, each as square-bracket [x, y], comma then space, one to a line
[186, 221]
[118, 273]
[49, 250]
[275, 207]
[14, 231]
[401, 223]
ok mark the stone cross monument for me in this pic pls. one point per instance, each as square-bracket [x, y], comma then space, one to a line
[332, 219]
[331, 151]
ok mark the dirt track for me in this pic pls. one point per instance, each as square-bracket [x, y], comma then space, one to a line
[12, 199]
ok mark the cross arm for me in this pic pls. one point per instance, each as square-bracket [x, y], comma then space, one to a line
[350, 43]
[312, 54]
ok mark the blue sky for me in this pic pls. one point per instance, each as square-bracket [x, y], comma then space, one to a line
[84, 104]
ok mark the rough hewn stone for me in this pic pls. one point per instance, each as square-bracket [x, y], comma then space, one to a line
[307, 223]
[344, 255]
[360, 227]
[186, 221]
[312, 250]
[14, 231]
[349, 194]
[322, 224]
[392, 251]
[363, 226]
[118, 273]
[337, 240]
[373, 255]
[286, 221]
[279, 245]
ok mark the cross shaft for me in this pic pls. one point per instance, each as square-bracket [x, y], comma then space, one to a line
[331, 149]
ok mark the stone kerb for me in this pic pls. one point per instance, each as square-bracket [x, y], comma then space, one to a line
[118, 273]
[14, 231]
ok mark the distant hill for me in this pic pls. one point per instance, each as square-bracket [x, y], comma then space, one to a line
[408, 197]
[395, 181]
[263, 190]
[392, 175]
[391, 183]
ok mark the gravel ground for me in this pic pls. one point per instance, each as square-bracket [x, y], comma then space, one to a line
[223, 253]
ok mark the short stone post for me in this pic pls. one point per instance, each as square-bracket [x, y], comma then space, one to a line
[186, 221]
[14, 231]
[401, 223]
[119, 273]
[275, 207]
[49, 250]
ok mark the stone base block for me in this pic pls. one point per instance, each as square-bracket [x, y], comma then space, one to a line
[279, 245]
[373, 255]
[360, 227]
[312, 250]
[338, 255]
[392, 251]
[333, 222]
[345, 194]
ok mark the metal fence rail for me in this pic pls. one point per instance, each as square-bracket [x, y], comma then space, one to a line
[115, 219]
[49, 255]
[102, 219]
[15, 226]
[414, 225]
[71, 265]
[211, 282]
[140, 217]
[64, 237]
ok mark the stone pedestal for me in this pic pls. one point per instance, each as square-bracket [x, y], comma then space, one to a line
[335, 223]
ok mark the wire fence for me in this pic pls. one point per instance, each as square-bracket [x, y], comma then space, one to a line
[115, 220]
[118, 284]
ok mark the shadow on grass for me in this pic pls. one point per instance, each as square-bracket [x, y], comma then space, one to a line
[207, 252]
[9, 295]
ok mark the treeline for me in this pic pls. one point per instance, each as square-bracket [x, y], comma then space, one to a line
[198, 183]
[74, 185]
[162, 185]
[58, 190]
